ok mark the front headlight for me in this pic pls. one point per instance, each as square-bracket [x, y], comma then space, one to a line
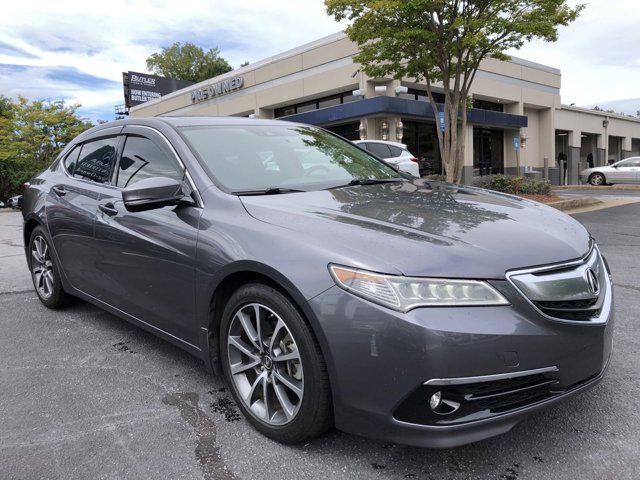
[406, 293]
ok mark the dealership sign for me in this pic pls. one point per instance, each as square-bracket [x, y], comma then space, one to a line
[142, 87]
[216, 89]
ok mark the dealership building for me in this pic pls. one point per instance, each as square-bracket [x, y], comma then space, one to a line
[517, 114]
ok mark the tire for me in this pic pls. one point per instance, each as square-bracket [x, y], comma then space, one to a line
[48, 285]
[288, 417]
[597, 180]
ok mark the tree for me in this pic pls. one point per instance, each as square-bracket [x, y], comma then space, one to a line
[188, 62]
[444, 42]
[31, 136]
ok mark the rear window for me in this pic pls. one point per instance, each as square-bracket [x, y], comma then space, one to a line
[379, 149]
[71, 159]
[96, 160]
[395, 151]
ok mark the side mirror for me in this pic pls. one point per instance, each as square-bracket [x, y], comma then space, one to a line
[151, 193]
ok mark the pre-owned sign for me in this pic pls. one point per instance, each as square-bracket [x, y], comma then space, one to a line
[142, 87]
[216, 89]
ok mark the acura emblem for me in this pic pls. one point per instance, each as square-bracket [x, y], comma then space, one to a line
[592, 281]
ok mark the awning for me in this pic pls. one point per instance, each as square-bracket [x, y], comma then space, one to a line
[401, 107]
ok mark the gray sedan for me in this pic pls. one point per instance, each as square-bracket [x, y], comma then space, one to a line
[625, 171]
[327, 288]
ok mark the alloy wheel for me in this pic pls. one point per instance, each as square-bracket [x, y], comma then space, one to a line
[597, 180]
[265, 364]
[42, 267]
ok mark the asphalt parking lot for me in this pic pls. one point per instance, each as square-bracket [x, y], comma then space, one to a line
[86, 395]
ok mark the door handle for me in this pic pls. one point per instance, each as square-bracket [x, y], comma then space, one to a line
[59, 190]
[108, 209]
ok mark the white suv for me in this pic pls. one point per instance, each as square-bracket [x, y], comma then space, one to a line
[392, 152]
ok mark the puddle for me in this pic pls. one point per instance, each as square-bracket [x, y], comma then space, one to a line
[206, 452]
[227, 407]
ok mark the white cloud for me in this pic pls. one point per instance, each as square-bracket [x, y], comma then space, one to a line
[61, 43]
[103, 39]
[598, 54]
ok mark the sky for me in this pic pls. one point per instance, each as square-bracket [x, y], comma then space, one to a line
[77, 51]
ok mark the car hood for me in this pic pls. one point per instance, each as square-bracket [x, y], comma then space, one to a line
[427, 228]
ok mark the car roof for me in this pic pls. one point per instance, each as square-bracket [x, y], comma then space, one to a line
[185, 121]
[386, 142]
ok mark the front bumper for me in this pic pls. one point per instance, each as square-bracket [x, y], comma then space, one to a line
[378, 358]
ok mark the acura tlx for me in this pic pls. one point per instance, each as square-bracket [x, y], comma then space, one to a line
[328, 288]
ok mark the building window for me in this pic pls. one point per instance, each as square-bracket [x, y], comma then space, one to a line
[324, 102]
[306, 107]
[348, 97]
[284, 111]
[329, 101]
[422, 95]
[487, 105]
[350, 131]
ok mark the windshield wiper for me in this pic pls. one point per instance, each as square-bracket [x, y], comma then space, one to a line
[267, 191]
[370, 181]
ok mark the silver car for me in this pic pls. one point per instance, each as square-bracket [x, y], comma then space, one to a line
[625, 171]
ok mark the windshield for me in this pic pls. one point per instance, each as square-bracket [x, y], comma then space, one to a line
[246, 158]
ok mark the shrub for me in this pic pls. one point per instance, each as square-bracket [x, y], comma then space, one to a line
[436, 178]
[514, 185]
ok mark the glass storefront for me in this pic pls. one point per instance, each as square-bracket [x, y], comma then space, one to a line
[488, 151]
[421, 139]
[350, 131]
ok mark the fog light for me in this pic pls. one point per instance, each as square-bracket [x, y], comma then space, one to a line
[435, 400]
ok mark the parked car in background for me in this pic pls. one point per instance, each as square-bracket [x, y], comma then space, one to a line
[15, 202]
[624, 171]
[326, 287]
[394, 153]
[2, 205]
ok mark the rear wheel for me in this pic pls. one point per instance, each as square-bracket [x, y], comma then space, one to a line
[274, 365]
[597, 179]
[44, 271]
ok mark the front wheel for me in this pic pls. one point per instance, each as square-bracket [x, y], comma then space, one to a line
[273, 363]
[597, 179]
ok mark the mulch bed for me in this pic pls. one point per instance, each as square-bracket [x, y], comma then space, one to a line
[543, 198]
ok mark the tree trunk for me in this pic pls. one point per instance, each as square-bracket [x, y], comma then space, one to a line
[453, 143]
[452, 140]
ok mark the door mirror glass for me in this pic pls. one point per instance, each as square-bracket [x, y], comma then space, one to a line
[151, 193]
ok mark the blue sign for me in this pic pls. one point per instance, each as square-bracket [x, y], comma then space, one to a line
[441, 121]
[516, 143]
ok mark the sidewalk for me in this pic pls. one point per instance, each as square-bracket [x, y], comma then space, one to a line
[595, 189]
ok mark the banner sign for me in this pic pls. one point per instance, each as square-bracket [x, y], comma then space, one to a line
[142, 87]
[216, 89]
[441, 121]
[516, 143]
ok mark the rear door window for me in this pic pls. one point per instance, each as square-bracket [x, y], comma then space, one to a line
[71, 159]
[96, 160]
[380, 150]
[395, 151]
[143, 158]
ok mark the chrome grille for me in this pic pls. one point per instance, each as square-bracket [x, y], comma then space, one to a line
[578, 310]
[578, 291]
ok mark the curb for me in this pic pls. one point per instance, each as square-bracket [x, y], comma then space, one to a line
[575, 203]
[590, 187]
